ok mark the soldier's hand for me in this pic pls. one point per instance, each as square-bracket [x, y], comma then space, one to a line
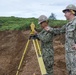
[74, 46]
[47, 28]
[35, 32]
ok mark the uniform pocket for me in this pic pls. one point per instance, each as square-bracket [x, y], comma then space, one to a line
[74, 59]
[70, 30]
[70, 34]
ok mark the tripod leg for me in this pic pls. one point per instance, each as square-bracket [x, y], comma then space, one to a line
[22, 57]
[38, 46]
[34, 43]
[39, 57]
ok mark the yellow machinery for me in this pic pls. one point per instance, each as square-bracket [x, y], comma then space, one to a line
[37, 50]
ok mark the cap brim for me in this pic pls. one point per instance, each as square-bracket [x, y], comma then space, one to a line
[39, 22]
[65, 10]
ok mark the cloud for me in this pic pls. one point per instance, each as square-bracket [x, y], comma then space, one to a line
[33, 8]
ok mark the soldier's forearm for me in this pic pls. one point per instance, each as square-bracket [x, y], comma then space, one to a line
[44, 38]
[57, 31]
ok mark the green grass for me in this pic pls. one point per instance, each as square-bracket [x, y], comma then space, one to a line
[15, 23]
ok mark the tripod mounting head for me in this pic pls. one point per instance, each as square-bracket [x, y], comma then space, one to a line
[32, 28]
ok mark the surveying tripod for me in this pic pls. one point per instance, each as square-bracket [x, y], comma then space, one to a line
[37, 50]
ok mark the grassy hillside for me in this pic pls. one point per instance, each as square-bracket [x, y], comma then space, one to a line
[15, 23]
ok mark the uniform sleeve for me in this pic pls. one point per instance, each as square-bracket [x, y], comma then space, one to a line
[38, 29]
[63, 29]
[72, 32]
[58, 31]
[44, 38]
[75, 34]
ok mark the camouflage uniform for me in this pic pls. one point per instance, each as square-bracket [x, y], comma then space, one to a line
[70, 55]
[46, 39]
[70, 40]
[47, 47]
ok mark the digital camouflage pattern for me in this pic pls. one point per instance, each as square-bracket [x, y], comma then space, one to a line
[46, 39]
[70, 52]
[70, 34]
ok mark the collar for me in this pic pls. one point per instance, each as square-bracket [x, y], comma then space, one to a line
[72, 20]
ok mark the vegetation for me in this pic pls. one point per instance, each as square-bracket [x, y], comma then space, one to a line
[52, 16]
[15, 23]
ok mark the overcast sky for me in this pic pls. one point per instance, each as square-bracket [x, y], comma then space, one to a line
[34, 8]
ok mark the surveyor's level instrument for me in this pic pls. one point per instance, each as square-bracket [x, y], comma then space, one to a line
[37, 50]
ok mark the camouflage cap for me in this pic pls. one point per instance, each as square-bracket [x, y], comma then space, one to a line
[42, 18]
[70, 7]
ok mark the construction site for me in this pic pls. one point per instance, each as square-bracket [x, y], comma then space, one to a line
[12, 45]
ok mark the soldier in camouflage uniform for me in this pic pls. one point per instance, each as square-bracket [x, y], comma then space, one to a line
[70, 34]
[46, 39]
[70, 43]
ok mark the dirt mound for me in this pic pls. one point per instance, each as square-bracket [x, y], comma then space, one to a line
[59, 57]
[12, 45]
